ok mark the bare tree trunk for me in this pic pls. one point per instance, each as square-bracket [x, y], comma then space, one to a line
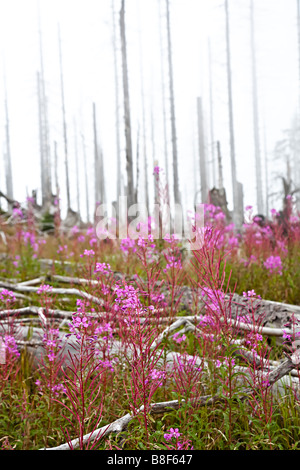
[64, 123]
[86, 179]
[8, 167]
[220, 168]
[266, 170]
[177, 198]
[102, 177]
[137, 164]
[231, 125]
[117, 105]
[297, 151]
[42, 153]
[163, 93]
[77, 168]
[259, 190]
[44, 131]
[211, 105]
[144, 122]
[154, 160]
[129, 160]
[96, 160]
[202, 156]
[56, 169]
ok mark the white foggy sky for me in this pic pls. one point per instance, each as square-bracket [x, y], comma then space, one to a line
[86, 30]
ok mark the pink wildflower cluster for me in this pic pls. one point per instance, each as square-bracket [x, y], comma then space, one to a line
[88, 253]
[274, 264]
[250, 294]
[103, 268]
[7, 296]
[80, 320]
[157, 376]
[51, 341]
[44, 289]
[179, 338]
[10, 345]
[171, 434]
[127, 298]
[127, 246]
[184, 444]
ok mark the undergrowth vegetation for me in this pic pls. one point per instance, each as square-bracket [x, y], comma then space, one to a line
[134, 344]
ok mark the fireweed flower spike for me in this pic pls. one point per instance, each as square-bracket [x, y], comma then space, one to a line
[44, 289]
[172, 433]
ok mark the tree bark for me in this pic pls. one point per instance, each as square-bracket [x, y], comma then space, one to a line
[127, 117]
[64, 123]
[231, 124]
[259, 189]
[202, 155]
[177, 197]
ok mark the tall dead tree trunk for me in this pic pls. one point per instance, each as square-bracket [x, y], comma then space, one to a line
[164, 113]
[44, 129]
[96, 160]
[259, 189]
[8, 166]
[202, 156]
[64, 123]
[42, 153]
[220, 167]
[127, 118]
[177, 198]
[117, 104]
[77, 168]
[231, 124]
[102, 177]
[100, 196]
[266, 164]
[211, 105]
[145, 153]
[137, 164]
[86, 179]
[297, 150]
[56, 169]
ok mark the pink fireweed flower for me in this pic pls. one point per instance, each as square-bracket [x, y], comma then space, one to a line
[128, 245]
[233, 241]
[88, 253]
[249, 294]
[274, 213]
[17, 213]
[59, 388]
[286, 335]
[274, 265]
[44, 289]
[172, 433]
[81, 322]
[62, 248]
[107, 329]
[93, 241]
[179, 339]
[103, 268]
[156, 170]
[11, 345]
[7, 296]
[106, 364]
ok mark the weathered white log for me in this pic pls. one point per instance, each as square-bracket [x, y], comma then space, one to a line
[54, 290]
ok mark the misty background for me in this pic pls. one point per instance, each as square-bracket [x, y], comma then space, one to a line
[91, 55]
